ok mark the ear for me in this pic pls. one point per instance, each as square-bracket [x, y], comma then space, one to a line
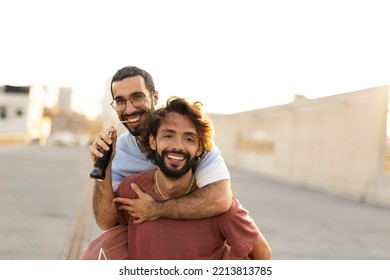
[152, 142]
[155, 97]
[199, 152]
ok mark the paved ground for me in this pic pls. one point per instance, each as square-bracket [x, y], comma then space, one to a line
[40, 194]
[46, 211]
[302, 224]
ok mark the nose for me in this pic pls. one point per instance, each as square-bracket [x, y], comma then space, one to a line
[129, 107]
[178, 143]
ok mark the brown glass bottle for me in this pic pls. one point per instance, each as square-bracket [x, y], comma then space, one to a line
[98, 171]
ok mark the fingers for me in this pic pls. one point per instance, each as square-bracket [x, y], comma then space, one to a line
[126, 205]
[122, 200]
[92, 152]
[137, 190]
[104, 138]
[102, 142]
[139, 221]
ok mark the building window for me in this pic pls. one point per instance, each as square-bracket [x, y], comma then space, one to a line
[19, 112]
[3, 112]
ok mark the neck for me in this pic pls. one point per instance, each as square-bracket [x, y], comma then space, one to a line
[173, 188]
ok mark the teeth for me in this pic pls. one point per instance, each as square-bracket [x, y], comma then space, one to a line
[133, 120]
[175, 157]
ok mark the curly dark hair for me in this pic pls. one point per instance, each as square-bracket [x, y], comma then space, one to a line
[181, 106]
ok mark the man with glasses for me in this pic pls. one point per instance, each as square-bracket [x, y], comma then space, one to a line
[134, 96]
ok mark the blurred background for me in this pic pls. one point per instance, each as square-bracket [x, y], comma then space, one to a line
[298, 93]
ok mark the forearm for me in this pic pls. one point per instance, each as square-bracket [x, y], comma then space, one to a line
[211, 200]
[106, 212]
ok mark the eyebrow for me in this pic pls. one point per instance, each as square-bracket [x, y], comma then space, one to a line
[121, 97]
[174, 131]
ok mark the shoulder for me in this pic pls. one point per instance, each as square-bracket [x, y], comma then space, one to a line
[142, 179]
[139, 177]
[211, 168]
[124, 139]
[211, 157]
[236, 209]
[126, 143]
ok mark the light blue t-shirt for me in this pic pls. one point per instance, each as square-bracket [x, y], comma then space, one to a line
[129, 160]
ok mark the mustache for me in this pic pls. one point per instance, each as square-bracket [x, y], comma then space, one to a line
[133, 114]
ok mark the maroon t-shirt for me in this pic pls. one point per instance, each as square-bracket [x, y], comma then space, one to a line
[167, 239]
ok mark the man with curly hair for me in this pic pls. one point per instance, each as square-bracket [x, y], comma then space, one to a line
[175, 137]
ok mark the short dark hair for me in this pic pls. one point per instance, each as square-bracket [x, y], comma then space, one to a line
[132, 71]
[181, 106]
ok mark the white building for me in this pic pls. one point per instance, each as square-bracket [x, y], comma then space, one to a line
[22, 114]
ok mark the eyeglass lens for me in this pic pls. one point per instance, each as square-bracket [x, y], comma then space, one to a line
[137, 100]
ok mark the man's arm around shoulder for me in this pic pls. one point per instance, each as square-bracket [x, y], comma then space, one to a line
[211, 200]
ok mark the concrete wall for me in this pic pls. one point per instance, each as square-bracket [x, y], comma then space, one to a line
[334, 144]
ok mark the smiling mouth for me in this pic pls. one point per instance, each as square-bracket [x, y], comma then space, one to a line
[133, 118]
[175, 157]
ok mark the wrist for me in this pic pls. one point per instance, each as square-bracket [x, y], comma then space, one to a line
[158, 210]
[103, 185]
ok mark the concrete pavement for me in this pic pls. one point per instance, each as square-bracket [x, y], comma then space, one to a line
[302, 224]
[40, 197]
[45, 198]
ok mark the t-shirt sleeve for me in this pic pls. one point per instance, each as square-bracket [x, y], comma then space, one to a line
[212, 168]
[240, 230]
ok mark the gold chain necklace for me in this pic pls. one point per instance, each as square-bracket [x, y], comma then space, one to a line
[162, 194]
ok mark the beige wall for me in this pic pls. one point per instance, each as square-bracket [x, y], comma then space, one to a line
[334, 144]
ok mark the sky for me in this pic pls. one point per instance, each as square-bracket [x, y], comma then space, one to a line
[233, 55]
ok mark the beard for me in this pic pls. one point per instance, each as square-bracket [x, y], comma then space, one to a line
[173, 172]
[137, 130]
[133, 131]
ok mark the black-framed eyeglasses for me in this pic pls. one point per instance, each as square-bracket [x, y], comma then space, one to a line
[136, 99]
